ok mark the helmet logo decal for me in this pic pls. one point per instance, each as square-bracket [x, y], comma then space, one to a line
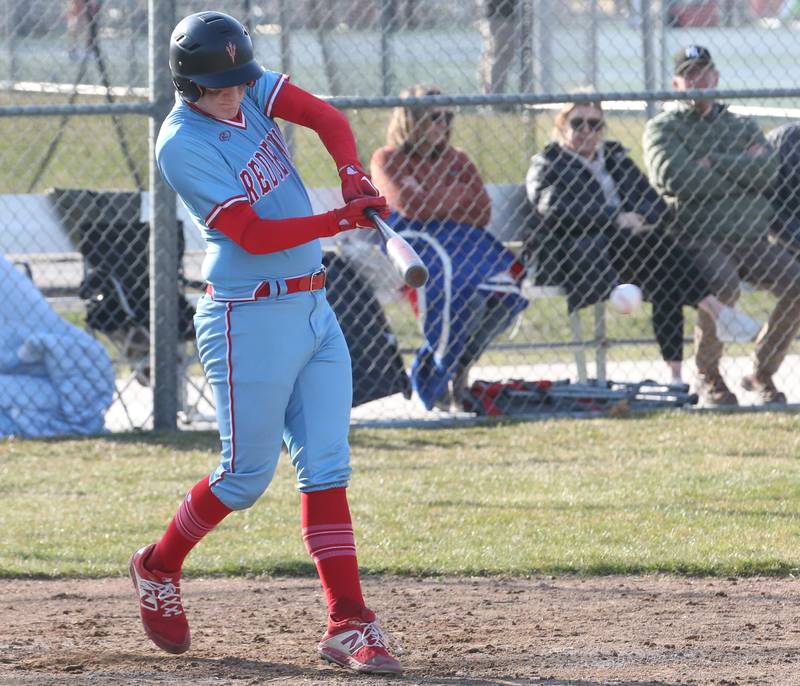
[230, 48]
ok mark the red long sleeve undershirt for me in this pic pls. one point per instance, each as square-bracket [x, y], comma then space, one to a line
[258, 236]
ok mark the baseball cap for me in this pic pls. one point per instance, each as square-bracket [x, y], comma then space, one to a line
[690, 56]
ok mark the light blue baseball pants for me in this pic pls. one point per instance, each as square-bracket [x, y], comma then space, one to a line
[280, 370]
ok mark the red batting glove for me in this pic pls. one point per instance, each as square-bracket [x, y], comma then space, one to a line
[352, 216]
[356, 183]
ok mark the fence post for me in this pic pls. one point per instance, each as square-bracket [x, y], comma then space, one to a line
[665, 70]
[648, 55]
[592, 52]
[544, 27]
[133, 58]
[247, 15]
[10, 40]
[525, 36]
[286, 61]
[387, 27]
[163, 233]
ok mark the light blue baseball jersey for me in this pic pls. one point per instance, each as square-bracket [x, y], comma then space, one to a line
[278, 366]
[213, 163]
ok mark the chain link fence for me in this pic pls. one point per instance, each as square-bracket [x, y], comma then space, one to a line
[497, 183]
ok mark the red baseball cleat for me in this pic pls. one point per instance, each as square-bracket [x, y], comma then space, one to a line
[160, 605]
[359, 645]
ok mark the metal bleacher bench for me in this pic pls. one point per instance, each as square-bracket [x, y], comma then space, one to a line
[509, 223]
[33, 236]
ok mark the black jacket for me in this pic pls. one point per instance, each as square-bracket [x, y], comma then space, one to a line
[571, 225]
[570, 202]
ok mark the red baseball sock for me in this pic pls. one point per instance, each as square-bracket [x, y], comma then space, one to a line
[328, 535]
[199, 512]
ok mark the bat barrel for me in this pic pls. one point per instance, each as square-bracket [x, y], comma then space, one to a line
[403, 256]
[416, 275]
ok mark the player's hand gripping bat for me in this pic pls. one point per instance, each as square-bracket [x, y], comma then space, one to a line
[402, 255]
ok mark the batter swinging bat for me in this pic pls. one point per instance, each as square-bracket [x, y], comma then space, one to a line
[402, 255]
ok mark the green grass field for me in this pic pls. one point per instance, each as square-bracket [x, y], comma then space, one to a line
[695, 494]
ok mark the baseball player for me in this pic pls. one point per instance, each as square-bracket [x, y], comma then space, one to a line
[269, 342]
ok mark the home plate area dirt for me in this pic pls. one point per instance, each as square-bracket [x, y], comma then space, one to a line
[565, 631]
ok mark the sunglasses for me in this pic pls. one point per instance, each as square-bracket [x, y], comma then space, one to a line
[593, 124]
[439, 115]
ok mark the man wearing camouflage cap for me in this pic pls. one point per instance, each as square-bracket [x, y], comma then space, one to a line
[713, 168]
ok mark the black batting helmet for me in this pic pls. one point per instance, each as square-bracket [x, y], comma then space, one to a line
[210, 50]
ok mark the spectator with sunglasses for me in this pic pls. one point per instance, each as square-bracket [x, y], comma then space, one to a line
[601, 223]
[440, 205]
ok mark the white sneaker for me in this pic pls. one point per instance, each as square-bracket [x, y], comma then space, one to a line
[734, 326]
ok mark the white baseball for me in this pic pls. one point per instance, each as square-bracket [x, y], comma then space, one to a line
[626, 298]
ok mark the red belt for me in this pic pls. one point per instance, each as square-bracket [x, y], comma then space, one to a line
[309, 282]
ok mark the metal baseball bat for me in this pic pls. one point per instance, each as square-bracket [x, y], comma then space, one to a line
[402, 255]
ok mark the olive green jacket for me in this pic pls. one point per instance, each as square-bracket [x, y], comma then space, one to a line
[726, 201]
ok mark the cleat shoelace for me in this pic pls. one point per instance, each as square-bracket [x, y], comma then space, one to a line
[167, 595]
[374, 636]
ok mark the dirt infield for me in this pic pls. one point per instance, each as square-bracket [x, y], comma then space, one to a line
[563, 631]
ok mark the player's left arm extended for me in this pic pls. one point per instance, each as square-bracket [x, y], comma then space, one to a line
[300, 107]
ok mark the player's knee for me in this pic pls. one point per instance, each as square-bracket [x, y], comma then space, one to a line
[244, 500]
[307, 488]
[240, 491]
[338, 477]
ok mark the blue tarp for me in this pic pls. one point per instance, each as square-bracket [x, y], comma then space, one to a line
[55, 379]
[468, 267]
